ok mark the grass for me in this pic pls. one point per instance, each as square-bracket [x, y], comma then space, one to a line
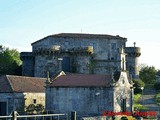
[158, 99]
[138, 106]
[136, 97]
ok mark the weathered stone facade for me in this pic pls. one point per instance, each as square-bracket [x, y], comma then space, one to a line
[91, 95]
[34, 98]
[11, 102]
[91, 101]
[18, 92]
[84, 100]
[78, 53]
[132, 60]
[18, 101]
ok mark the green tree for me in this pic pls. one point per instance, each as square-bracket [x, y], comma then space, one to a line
[10, 62]
[138, 84]
[148, 74]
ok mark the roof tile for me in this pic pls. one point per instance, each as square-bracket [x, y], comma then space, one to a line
[82, 80]
[11, 83]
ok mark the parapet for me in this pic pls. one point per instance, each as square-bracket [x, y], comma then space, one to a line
[24, 55]
[57, 49]
[133, 51]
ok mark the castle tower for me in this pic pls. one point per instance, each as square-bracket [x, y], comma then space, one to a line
[132, 60]
[28, 63]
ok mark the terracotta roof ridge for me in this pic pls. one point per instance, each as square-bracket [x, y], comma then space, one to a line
[10, 84]
[89, 74]
[80, 35]
[25, 76]
[89, 34]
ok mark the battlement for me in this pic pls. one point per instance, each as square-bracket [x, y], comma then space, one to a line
[25, 55]
[58, 49]
[133, 51]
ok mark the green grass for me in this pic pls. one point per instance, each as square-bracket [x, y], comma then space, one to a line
[138, 106]
[158, 99]
[136, 97]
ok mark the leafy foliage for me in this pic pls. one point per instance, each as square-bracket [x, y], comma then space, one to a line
[158, 99]
[32, 109]
[138, 106]
[138, 84]
[136, 97]
[157, 85]
[10, 62]
[39, 108]
[148, 74]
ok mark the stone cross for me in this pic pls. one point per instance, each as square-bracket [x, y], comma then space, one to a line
[134, 44]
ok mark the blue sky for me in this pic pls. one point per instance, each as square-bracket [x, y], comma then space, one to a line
[25, 21]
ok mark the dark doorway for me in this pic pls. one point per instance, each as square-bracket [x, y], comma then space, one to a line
[124, 105]
[3, 108]
[66, 64]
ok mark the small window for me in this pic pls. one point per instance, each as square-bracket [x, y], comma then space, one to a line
[34, 101]
[112, 58]
[113, 46]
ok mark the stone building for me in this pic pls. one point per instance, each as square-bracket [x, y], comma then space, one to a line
[90, 94]
[78, 53]
[16, 92]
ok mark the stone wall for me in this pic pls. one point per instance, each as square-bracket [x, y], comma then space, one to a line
[17, 101]
[105, 55]
[133, 54]
[84, 100]
[14, 101]
[38, 97]
[28, 64]
[97, 118]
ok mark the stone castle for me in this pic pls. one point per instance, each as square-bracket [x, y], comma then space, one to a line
[79, 53]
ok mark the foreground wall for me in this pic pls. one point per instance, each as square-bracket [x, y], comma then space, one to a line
[11, 102]
[17, 101]
[85, 101]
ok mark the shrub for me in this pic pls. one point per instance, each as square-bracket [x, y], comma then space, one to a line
[138, 84]
[32, 109]
[157, 85]
[158, 99]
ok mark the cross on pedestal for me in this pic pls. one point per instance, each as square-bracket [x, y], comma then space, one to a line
[134, 44]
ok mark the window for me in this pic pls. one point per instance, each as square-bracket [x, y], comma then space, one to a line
[34, 101]
[112, 58]
[113, 46]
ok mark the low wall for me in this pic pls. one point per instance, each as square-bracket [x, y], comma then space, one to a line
[97, 118]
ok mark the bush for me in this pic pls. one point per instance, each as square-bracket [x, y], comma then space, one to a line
[157, 85]
[138, 84]
[32, 109]
[158, 99]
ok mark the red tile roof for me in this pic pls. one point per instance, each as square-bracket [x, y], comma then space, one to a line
[82, 80]
[11, 83]
[80, 35]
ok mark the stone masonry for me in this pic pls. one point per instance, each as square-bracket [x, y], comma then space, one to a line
[78, 53]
